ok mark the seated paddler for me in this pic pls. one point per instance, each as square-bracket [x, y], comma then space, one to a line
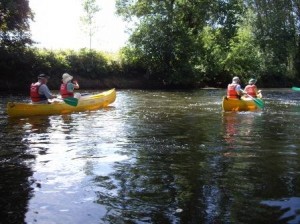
[39, 91]
[234, 90]
[251, 89]
[67, 87]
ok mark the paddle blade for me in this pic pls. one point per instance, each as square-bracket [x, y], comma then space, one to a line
[295, 88]
[259, 103]
[71, 101]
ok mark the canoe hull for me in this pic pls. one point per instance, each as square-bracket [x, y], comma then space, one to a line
[238, 104]
[90, 102]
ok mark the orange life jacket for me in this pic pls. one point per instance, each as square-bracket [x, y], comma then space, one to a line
[250, 89]
[34, 93]
[64, 91]
[231, 92]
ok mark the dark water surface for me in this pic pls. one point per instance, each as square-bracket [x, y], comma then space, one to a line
[154, 157]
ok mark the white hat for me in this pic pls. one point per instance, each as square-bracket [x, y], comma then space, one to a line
[66, 77]
[252, 81]
[235, 79]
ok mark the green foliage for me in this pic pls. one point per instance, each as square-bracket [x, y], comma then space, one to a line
[22, 67]
[16, 68]
[14, 23]
[245, 58]
[214, 53]
[173, 40]
[162, 40]
[89, 64]
[182, 42]
[175, 43]
[276, 33]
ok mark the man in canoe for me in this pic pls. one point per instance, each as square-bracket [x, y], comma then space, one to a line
[67, 87]
[39, 91]
[251, 89]
[234, 90]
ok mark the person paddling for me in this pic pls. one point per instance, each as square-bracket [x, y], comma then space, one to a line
[251, 89]
[39, 91]
[67, 87]
[234, 90]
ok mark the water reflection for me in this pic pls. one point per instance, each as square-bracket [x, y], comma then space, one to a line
[16, 173]
[241, 129]
[154, 157]
[169, 146]
[157, 183]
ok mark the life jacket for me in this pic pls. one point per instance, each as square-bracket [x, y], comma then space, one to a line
[250, 89]
[64, 91]
[231, 92]
[34, 93]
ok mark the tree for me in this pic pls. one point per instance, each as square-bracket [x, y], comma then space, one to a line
[276, 33]
[90, 9]
[164, 37]
[168, 35]
[14, 23]
[14, 37]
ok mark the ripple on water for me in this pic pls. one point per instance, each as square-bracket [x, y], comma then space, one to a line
[156, 156]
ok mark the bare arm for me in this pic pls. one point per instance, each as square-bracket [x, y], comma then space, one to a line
[76, 85]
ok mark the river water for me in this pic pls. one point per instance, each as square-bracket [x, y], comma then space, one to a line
[154, 157]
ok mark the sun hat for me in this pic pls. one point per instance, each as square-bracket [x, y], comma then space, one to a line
[66, 77]
[252, 81]
[235, 79]
[43, 76]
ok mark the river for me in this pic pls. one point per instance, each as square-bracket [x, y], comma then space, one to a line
[154, 157]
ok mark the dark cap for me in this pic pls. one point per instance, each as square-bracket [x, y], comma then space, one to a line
[43, 76]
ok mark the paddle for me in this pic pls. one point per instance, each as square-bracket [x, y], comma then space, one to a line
[71, 101]
[258, 102]
[295, 88]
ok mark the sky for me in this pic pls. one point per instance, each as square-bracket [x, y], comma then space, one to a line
[57, 26]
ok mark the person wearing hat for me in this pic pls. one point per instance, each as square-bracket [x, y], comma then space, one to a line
[234, 90]
[39, 91]
[67, 87]
[251, 88]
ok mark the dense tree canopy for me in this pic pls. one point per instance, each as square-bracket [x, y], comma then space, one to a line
[183, 41]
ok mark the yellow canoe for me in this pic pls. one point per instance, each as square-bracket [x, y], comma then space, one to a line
[89, 102]
[243, 104]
